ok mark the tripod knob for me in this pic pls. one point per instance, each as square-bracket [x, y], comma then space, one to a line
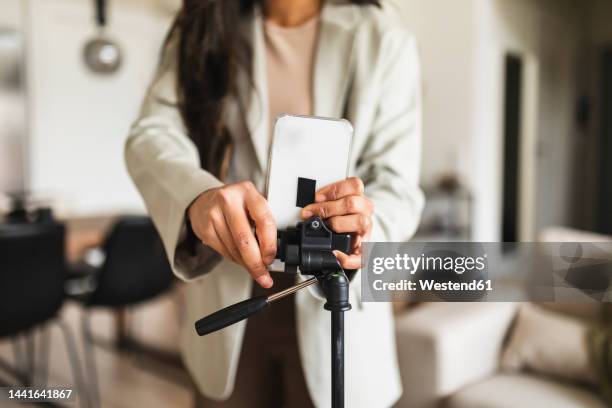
[336, 288]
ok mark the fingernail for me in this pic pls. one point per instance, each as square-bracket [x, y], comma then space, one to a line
[265, 281]
[319, 197]
[306, 214]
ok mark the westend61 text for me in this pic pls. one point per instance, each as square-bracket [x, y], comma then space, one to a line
[429, 285]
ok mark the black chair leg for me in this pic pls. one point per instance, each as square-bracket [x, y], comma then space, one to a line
[90, 359]
[71, 348]
[43, 357]
[24, 367]
[21, 365]
[12, 371]
[30, 346]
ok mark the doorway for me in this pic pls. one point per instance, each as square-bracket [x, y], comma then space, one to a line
[511, 188]
[604, 212]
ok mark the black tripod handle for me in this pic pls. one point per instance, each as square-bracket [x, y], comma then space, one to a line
[230, 315]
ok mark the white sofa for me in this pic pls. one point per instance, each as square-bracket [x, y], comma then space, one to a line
[449, 357]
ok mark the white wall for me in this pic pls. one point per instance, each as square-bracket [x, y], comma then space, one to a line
[79, 121]
[559, 59]
[445, 33]
[463, 44]
[546, 33]
[12, 103]
[10, 13]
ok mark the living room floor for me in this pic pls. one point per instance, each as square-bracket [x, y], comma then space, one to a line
[124, 377]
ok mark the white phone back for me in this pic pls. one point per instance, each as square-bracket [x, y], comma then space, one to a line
[307, 147]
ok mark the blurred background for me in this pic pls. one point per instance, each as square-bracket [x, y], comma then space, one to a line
[517, 140]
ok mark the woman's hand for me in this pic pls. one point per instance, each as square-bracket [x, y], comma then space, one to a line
[221, 218]
[346, 209]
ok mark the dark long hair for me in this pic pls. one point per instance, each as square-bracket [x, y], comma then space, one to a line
[212, 52]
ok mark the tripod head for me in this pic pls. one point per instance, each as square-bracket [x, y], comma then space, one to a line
[308, 248]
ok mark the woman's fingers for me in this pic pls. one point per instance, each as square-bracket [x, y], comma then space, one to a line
[221, 218]
[220, 249]
[346, 209]
[352, 204]
[352, 261]
[225, 236]
[357, 223]
[265, 226]
[212, 239]
[349, 186]
[244, 239]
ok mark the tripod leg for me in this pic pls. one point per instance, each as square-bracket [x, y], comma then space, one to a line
[337, 343]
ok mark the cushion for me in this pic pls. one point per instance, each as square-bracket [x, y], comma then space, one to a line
[512, 390]
[549, 343]
[584, 311]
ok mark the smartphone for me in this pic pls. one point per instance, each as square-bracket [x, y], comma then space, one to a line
[307, 154]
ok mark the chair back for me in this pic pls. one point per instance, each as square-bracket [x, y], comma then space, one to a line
[32, 269]
[136, 268]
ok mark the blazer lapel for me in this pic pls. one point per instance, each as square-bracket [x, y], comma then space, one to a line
[257, 114]
[333, 65]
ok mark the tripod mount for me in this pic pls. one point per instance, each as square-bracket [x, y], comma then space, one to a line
[307, 248]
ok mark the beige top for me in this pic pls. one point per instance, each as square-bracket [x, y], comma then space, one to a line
[290, 54]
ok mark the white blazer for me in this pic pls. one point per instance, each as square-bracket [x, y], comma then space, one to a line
[367, 71]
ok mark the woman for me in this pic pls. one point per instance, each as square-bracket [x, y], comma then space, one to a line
[198, 155]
